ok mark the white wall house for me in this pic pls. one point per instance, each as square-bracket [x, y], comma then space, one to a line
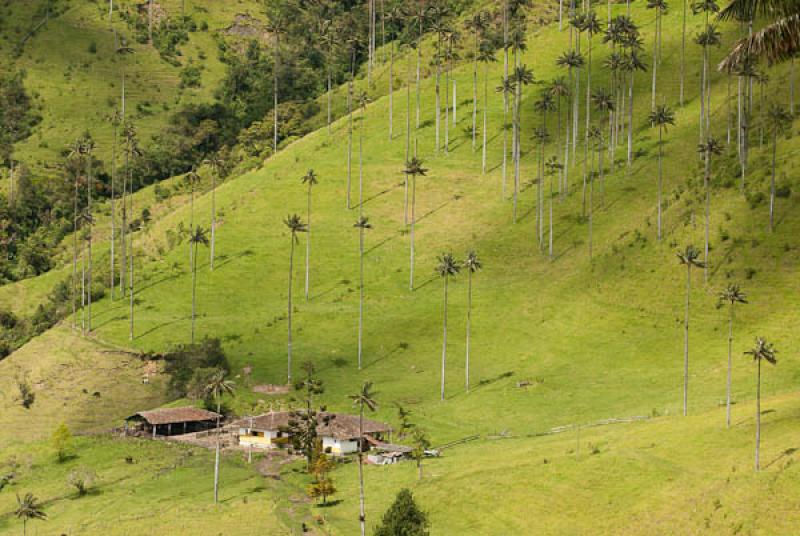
[262, 439]
[339, 447]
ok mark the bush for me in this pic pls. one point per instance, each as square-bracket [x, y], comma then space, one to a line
[403, 518]
[185, 360]
[61, 440]
[82, 479]
[190, 76]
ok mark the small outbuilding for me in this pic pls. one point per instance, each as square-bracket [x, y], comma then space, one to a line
[172, 421]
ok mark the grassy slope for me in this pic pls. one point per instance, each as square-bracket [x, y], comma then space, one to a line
[79, 90]
[602, 340]
[168, 490]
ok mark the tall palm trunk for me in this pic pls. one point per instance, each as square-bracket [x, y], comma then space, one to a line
[112, 266]
[707, 184]
[730, 369]
[289, 315]
[630, 121]
[413, 225]
[438, 88]
[194, 288]
[475, 95]
[485, 106]
[361, 517]
[655, 60]
[213, 217]
[408, 141]
[360, 293]
[275, 91]
[447, 103]
[591, 201]
[660, 175]
[74, 285]
[89, 186]
[588, 114]
[391, 92]
[505, 95]
[444, 337]
[686, 342]
[308, 239]
[683, 51]
[130, 267]
[758, 414]
[349, 136]
[469, 327]
[772, 181]
[419, 62]
[217, 457]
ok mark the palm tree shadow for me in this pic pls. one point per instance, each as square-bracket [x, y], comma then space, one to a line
[159, 282]
[156, 328]
[788, 453]
[323, 293]
[228, 259]
[424, 284]
[382, 358]
[379, 194]
[432, 212]
[379, 244]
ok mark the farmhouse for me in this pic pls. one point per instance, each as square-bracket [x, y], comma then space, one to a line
[171, 421]
[339, 432]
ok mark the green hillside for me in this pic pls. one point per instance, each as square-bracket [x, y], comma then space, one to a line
[562, 342]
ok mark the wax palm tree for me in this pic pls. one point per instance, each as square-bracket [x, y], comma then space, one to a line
[192, 178]
[633, 63]
[661, 117]
[731, 295]
[683, 49]
[216, 164]
[354, 43]
[553, 167]
[507, 87]
[363, 100]
[276, 26]
[777, 41]
[449, 55]
[779, 120]
[394, 15]
[588, 23]
[559, 89]
[660, 7]
[596, 136]
[88, 150]
[472, 264]
[116, 120]
[707, 149]
[362, 225]
[522, 77]
[364, 398]
[295, 226]
[76, 153]
[762, 351]
[710, 36]
[28, 508]
[440, 28]
[486, 56]
[197, 238]
[218, 386]
[413, 168]
[447, 267]
[310, 179]
[417, 17]
[577, 24]
[603, 103]
[543, 105]
[479, 23]
[690, 257]
[571, 60]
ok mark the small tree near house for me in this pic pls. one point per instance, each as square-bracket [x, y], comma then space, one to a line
[322, 486]
[403, 518]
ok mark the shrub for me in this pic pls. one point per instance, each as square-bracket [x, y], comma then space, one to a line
[403, 518]
[82, 479]
[184, 360]
[61, 440]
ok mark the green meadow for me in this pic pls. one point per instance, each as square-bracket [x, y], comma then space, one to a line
[566, 342]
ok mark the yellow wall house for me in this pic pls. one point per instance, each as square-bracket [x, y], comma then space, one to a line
[262, 431]
[339, 432]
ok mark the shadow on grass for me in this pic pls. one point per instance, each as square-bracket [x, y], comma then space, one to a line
[156, 328]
